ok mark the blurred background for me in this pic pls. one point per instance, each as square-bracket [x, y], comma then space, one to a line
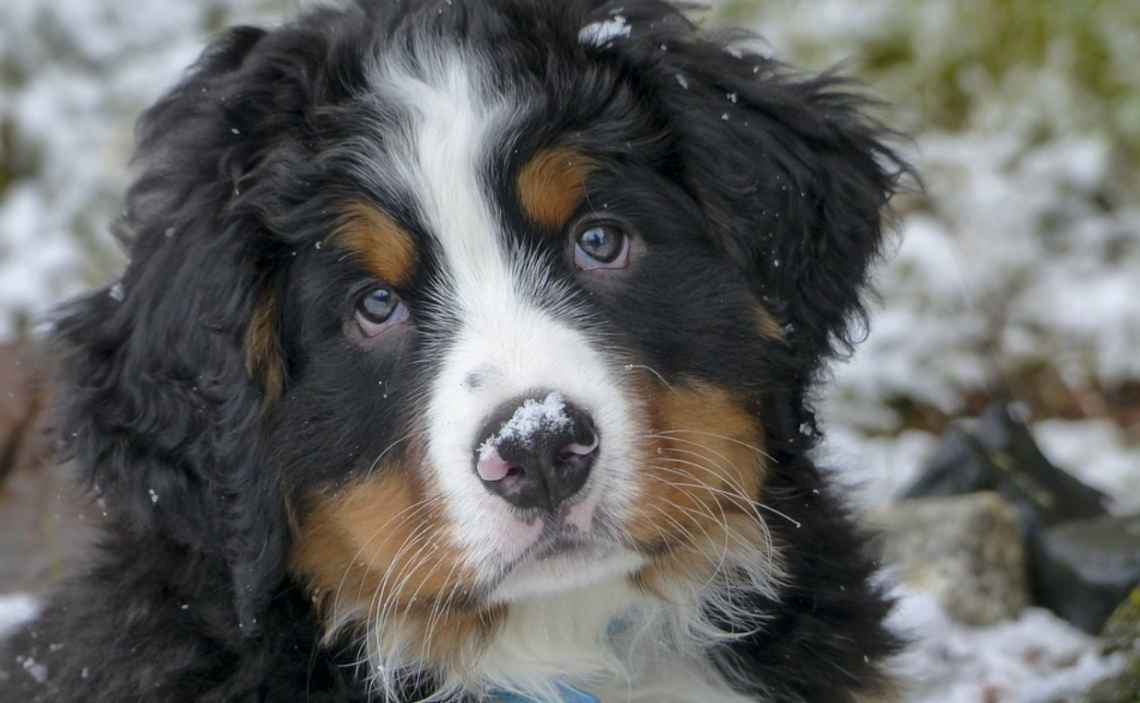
[990, 422]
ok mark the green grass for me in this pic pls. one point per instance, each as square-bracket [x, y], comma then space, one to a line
[1092, 45]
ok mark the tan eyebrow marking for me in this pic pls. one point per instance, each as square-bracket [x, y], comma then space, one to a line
[552, 184]
[385, 248]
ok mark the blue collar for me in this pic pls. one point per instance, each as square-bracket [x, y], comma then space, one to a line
[569, 695]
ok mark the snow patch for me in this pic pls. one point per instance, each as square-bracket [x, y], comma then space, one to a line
[1097, 452]
[36, 670]
[875, 469]
[528, 418]
[601, 33]
[15, 610]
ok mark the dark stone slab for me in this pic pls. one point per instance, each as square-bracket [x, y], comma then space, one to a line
[999, 454]
[1084, 569]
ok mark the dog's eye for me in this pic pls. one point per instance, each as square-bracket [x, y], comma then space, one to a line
[378, 309]
[601, 245]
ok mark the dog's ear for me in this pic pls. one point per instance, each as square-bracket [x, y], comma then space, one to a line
[792, 173]
[162, 404]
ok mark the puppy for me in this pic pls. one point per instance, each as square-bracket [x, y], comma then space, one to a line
[465, 354]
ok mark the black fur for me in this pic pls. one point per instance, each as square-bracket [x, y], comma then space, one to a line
[188, 598]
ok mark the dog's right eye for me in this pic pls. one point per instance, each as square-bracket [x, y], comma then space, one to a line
[379, 309]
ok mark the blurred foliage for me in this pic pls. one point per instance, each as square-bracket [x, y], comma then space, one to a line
[961, 63]
[1013, 104]
[74, 76]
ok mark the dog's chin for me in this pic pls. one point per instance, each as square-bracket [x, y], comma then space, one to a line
[565, 564]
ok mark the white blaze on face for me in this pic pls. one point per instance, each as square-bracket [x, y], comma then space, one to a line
[453, 124]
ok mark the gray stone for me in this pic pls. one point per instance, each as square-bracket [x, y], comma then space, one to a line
[1084, 569]
[966, 550]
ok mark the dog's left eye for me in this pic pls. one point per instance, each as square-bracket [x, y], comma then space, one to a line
[601, 245]
[378, 309]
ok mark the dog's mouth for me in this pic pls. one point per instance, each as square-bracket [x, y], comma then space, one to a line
[562, 558]
[560, 537]
[566, 545]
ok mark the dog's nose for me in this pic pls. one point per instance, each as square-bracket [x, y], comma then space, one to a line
[536, 451]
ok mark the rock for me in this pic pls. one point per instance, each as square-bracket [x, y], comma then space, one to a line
[965, 550]
[1082, 570]
[1122, 631]
[1122, 688]
[998, 453]
[1121, 635]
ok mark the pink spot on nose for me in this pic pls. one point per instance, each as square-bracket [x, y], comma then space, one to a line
[491, 466]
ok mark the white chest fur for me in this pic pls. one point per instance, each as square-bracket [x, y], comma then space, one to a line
[608, 639]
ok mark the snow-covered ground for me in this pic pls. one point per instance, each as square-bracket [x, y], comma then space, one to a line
[1036, 659]
[1024, 252]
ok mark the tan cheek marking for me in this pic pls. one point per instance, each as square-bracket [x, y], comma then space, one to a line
[703, 466]
[379, 537]
[263, 358]
[552, 185]
[385, 248]
[382, 543]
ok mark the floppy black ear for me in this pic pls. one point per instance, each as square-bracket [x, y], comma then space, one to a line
[792, 173]
[160, 406]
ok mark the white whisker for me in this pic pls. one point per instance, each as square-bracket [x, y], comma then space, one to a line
[655, 372]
